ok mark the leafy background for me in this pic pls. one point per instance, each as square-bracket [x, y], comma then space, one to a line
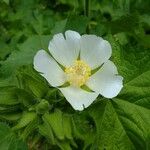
[35, 116]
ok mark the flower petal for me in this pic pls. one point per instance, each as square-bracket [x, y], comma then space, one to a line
[48, 68]
[94, 50]
[106, 81]
[78, 98]
[65, 51]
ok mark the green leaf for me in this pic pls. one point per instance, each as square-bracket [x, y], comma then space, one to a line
[77, 23]
[10, 117]
[67, 126]
[110, 131]
[42, 23]
[137, 90]
[9, 109]
[33, 86]
[26, 98]
[32, 82]
[30, 128]
[6, 1]
[5, 51]
[130, 59]
[135, 121]
[42, 107]
[8, 139]
[72, 23]
[59, 27]
[46, 130]
[57, 128]
[26, 118]
[55, 121]
[127, 23]
[24, 55]
[84, 129]
[8, 96]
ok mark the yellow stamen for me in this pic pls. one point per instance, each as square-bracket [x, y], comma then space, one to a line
[78, 73]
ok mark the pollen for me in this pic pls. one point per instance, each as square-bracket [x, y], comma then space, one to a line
[78, 73]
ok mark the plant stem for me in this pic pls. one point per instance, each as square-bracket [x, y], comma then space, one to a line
[87, 11]
[87, 8]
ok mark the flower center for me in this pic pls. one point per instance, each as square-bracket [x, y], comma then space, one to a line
[78, 73]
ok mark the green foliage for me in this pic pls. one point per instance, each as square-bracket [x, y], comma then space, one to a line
[26, 118]
[37, 112]
[24, 55]
[8, 96]
[32, 83]
[8, 139]
[6, 1]
[73, 23]
[55, 121]
[111, 133]
[58, 129]
[42, 107]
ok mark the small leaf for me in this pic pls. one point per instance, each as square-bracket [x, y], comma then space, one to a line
[10, 116]
[26, 98]
[57, 128]
[26, 118]
[29, 129]
[67, 126]
[42, 107]
[32, 82]
[46, 130]
[55, 121]
[8, 96]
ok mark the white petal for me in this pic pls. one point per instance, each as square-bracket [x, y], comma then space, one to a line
[106, 81]
[94, 50]
[65, 51]
[78, 98]
[48, 68]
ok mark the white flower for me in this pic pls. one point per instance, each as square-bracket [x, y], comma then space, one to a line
[79, 55]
